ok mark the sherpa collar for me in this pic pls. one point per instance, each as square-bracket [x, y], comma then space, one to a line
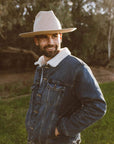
[55, 60]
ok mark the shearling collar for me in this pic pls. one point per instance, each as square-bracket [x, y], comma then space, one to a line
[64, 52]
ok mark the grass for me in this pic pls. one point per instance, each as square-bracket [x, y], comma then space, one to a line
[102, 132]
[12, 121]
[15, 89]
[12, 117]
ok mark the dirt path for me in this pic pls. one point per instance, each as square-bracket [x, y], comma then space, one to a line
[13, 98]
[15, 77]
[101, 74]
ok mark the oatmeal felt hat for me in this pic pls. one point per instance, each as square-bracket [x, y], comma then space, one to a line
[46, 23]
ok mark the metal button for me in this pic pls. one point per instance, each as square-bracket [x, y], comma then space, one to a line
[45, 79]
[39, 95]
[30, 142]
[31, 128]
[35, 111]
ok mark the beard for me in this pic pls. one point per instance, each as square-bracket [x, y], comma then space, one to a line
[49, 54]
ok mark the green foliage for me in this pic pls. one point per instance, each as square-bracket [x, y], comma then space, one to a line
[93, 20]
[102, 131]
[14, 89]
[12, 117]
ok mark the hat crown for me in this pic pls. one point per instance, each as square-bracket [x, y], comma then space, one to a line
[46, 20]
[46, 23]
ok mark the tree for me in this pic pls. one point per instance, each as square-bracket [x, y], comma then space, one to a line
[93, 25]
[94, 20]
[109, 9]
[84, 39]
[18, 16]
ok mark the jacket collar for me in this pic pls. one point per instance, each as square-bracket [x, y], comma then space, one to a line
[64, 52]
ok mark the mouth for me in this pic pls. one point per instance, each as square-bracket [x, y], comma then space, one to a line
[50, 48]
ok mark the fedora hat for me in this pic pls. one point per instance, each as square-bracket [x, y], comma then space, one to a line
[46, 23]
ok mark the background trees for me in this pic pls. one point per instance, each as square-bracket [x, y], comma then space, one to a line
[94, 19]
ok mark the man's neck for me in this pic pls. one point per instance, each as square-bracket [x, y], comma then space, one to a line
[46, 59]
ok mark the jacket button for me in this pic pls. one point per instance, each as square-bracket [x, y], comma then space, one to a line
[35, 111]
[31, 128]
[30, 142]
[39, 95]
[45, 79]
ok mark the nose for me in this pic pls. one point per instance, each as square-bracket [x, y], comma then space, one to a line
[50, 40]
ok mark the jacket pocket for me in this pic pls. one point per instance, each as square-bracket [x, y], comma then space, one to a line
[53, 93]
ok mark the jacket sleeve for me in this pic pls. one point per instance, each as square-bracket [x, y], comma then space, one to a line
[93, 104]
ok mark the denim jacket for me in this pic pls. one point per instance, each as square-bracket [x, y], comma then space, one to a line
[68, 98]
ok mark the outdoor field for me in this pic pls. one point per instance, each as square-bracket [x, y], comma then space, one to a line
[47, 32]
[14, 102]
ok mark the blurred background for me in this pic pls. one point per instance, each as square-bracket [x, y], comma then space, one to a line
[93, 42]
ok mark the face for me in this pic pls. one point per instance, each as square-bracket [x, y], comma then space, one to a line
[49, 44]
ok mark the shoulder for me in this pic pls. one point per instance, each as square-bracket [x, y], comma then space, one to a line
[74, 61]
[76, 64]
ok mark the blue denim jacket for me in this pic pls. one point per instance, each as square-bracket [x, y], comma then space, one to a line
[68, 98]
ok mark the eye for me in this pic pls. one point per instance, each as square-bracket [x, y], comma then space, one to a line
[55, 35]
[43, 36]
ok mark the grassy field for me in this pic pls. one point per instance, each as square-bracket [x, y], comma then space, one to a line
[102, 132]
[13, 111]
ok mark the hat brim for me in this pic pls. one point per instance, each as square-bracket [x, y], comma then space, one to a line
[32, 34]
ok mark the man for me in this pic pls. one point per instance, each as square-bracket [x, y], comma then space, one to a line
[65, 98]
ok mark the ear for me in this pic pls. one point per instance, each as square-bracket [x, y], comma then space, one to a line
[36, 41]
[61, 37]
